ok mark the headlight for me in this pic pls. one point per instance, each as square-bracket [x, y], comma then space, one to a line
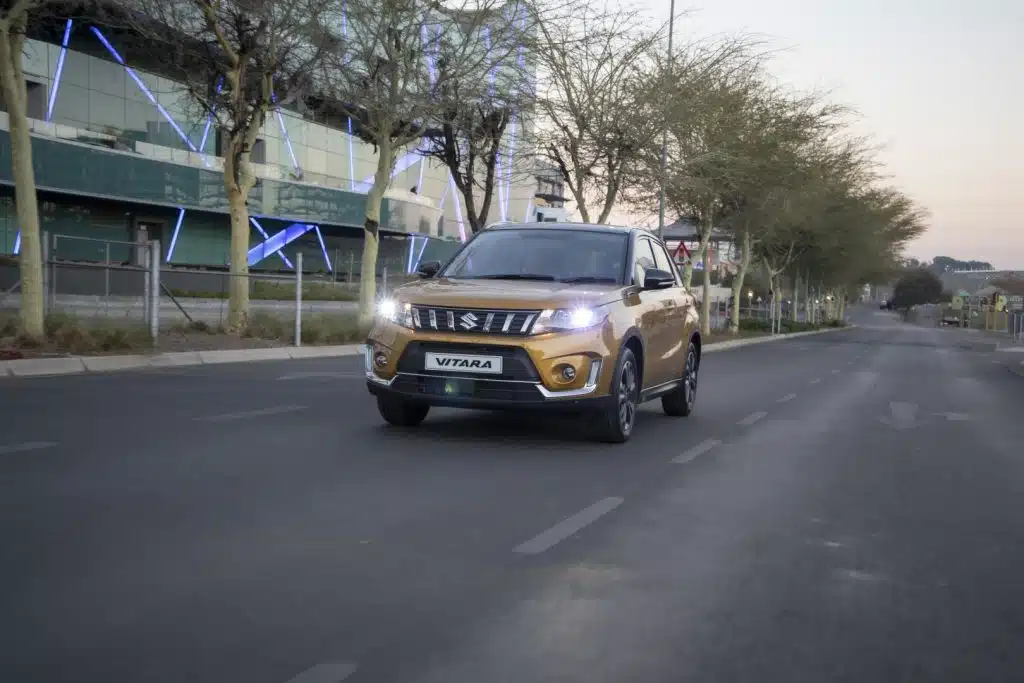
[393, 311]
[567, 319]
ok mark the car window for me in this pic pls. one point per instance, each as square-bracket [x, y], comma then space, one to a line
[643, 260]
[662, 261]
[543, 254]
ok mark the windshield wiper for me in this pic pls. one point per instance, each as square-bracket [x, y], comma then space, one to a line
[515, 276]
[589, 279]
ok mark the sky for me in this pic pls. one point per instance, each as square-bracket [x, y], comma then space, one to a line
[938, 83]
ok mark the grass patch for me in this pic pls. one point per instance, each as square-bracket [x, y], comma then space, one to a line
[321, 328]
[267, 290]
[63, 333]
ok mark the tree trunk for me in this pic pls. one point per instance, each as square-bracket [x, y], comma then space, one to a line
[238, 285]
[705, 304]
[238, 264]
[746, 245]
[12, 37]
[371, 228]
[795, 308]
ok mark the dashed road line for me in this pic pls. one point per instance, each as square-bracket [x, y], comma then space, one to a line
[568, 526]
[328, 672]
[697, 451]
[815, 380]
[786, 399]
[836, 371]
[752, 419]
[27, 446]
[248, 414]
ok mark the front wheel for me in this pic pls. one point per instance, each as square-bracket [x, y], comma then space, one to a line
[615, 424]
[680, 402]
[401, 413]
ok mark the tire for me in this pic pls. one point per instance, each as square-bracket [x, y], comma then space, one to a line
[681, 401]
[616, 422]
[401, 413]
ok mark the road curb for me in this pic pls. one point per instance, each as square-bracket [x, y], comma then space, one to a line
[76, 365]
[740, 343]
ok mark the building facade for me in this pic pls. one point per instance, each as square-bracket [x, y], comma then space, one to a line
[121, 155]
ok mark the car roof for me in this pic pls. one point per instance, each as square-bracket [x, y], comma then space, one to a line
[578, 227]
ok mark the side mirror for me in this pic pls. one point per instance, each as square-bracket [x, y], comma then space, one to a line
[428, 269]
[658, 279]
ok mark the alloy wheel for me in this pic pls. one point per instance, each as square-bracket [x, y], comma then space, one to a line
[627, 397]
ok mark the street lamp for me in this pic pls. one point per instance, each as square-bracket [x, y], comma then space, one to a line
[664, 128]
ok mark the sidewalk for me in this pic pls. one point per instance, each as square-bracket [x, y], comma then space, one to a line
[73, 365]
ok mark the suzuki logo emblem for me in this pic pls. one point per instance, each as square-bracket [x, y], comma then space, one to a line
[468, 321]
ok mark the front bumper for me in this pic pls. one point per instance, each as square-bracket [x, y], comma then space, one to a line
[519, 389]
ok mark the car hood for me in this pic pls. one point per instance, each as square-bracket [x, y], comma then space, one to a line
[511, 294]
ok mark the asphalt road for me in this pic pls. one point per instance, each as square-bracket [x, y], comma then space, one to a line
[846, 507]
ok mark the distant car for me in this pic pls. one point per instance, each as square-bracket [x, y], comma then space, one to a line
[588, 319]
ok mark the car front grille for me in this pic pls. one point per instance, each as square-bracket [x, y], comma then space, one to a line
[474, 320]
[468, 388]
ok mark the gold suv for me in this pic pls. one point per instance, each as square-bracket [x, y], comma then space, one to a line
[590, 319]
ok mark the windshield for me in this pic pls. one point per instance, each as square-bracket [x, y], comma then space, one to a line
[543, 254]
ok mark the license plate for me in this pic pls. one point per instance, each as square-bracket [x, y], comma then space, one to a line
[457, 362]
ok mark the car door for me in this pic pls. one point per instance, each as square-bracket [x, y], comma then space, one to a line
[656, 310]
[681, 314]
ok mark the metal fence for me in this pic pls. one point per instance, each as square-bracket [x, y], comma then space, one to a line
[127, 285]
[721, 312]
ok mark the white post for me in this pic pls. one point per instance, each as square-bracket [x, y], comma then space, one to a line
[154, 289]
[298, 299]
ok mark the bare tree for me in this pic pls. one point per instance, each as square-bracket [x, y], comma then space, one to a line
[389, 73]
[14, 18]
[237, 60]
[479, 115]
[596, 106]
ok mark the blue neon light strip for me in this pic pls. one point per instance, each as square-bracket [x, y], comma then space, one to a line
[278, 241]
[412, 245]
[142, 86]
[426, 241]
[174, 235]
[59, 71]
[458, 208]
[323, 248]
[209, 119]
[351, 152]
[402, 164]
[17, 243]
[260, 230]
[419, 184]
[287, 139]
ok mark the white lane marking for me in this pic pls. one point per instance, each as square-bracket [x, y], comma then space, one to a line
[752, 418]
[328, 672]
[815, 380]
[697, 451]
[262, 412]
[322, 375]
[836, 372]
[787, 398]
[27, 446]
[568, 526]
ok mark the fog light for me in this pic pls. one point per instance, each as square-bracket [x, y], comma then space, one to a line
[568, 373]
[380, 359]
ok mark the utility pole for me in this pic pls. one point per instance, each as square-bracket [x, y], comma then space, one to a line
[664, 129]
